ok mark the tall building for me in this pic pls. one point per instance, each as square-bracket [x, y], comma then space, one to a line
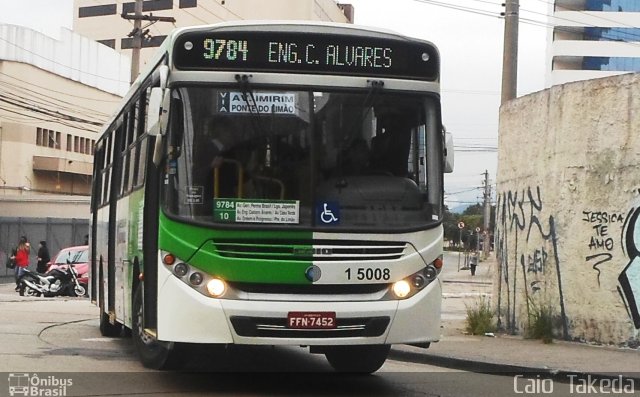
[102, 20]
[593, 38]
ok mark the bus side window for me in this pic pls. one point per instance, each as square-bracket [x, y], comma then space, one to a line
[124, 153]
[97, 175]
[106, 169]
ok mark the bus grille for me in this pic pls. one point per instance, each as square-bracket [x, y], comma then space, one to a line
[309, 289]
[268, 327]
[316, 250]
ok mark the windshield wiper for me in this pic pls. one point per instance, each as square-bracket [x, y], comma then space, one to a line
[375, 86]
[254, 111]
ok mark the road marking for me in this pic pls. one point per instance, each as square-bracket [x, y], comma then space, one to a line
[99, 339]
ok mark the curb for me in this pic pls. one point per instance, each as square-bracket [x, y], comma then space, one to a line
[488, 367]
[467, 282]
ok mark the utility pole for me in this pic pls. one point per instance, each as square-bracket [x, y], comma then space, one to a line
[510, 51]
[139, 32]
[487, 215]
[137, 41]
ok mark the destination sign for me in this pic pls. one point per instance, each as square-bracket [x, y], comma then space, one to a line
[282, 103]
[256, 211]
[298, 52]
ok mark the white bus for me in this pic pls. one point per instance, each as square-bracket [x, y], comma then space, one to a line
[274, 184]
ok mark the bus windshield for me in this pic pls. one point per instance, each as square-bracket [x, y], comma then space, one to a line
[369, 160]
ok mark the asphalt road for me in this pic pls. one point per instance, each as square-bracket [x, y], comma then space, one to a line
[55, 344]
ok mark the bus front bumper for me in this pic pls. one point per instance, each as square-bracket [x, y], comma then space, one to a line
[185, 315]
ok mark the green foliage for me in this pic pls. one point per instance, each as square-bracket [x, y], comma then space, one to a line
[480, 317]
[473, 217]
[475, 209]
[540, 322]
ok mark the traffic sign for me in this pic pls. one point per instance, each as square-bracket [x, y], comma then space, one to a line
[460, 225]
[477, 230]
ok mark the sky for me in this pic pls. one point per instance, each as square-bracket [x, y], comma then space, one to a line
[469, 38]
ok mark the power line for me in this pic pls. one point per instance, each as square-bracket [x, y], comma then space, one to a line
[460, 8]
[47, 101]
[60, 92]
[47, 112]
[534, 22]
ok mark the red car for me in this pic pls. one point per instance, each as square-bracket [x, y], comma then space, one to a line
[78, 256]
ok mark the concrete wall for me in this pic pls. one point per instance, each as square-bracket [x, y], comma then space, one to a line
[568, 202]
[57, 232]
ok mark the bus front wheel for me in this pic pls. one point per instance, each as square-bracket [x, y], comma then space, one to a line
[363, 359]
[153, 353]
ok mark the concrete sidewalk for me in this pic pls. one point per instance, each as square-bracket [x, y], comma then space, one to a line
[509, 353]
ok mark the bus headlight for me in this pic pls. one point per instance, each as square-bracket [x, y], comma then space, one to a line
[401, 288]
[216, 287]
[411, 285]
[207, 284]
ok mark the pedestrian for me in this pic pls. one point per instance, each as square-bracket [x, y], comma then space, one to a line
[43, 257]
[21, 259]
[473, 262]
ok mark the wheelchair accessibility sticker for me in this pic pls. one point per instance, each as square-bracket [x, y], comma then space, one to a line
[328, 213]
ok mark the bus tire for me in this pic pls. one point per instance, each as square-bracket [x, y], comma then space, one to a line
[360, 359]
[153, 353]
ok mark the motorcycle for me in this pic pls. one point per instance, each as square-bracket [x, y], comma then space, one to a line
[53, 283]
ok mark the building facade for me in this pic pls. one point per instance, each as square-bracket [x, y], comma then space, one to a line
[54, 96]
[593, 38]
[102, 20]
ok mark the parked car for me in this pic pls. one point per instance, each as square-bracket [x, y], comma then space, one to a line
[77, 256]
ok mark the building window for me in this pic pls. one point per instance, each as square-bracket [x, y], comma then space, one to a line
[611, 64]
[613, 5]
[612, 34]
[188, 3]
[69, 142]
[96, 11]
[39, 137]
[47, 138]
[151, 5]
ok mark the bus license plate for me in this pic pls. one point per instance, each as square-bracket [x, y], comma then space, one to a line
[311, 320]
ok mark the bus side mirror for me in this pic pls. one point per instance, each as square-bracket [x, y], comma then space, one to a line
[153, 111]
[448, 153]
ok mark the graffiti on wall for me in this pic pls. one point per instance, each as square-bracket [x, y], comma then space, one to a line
[629, 278]
[601, 243]
[528, 257]
[527, 248]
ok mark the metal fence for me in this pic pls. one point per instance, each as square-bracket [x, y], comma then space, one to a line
[57, 232]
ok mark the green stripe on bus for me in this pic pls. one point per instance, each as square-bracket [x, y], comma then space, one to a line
[253, 256]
